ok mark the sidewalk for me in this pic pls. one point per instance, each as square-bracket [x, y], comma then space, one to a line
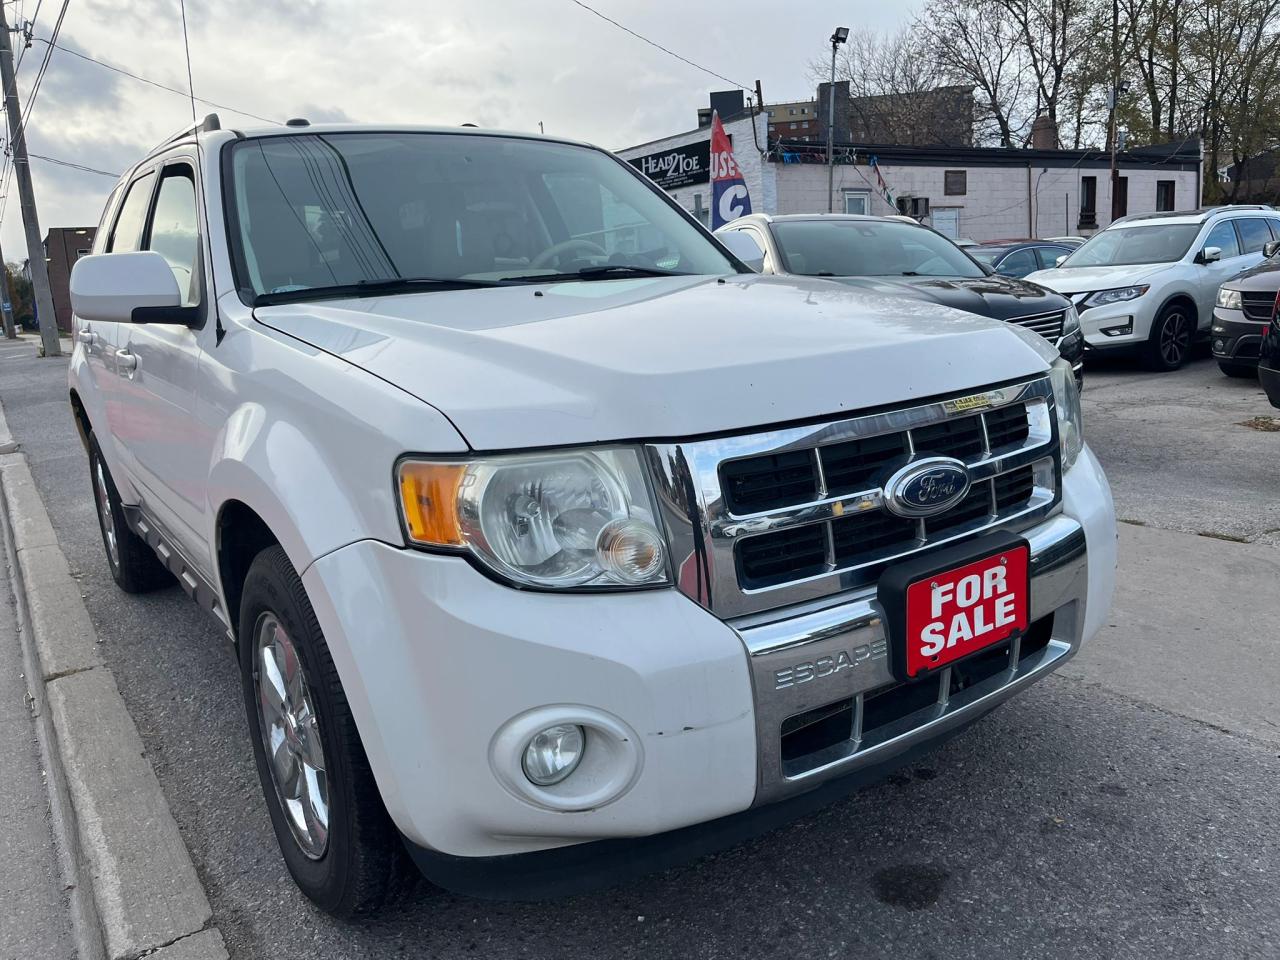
[34, 918]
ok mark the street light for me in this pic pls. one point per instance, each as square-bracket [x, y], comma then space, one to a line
[837, 38]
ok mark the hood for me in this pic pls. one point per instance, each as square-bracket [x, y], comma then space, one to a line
[574, 363]
[997, 297]
[1068, 280]
[1265, 277]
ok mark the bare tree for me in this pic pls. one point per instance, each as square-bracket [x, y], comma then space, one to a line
[976, 44]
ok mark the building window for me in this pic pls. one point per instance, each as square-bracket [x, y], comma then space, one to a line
[791, 111]
[794, 125]
[803, 111]
[1164, 195]
[1120, 202]
[770, 114]
[857, 201]
[1088, 203]
[955, 182]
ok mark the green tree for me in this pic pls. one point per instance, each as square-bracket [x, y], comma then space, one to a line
[20, 296]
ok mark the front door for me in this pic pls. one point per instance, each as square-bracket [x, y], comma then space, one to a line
[1213, 275]
[158, 362]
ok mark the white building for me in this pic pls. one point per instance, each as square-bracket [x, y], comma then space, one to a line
[981, 193]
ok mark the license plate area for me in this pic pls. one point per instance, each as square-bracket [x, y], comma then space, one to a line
[944, 607]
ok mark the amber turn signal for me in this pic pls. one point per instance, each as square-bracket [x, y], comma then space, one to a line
[428, 500]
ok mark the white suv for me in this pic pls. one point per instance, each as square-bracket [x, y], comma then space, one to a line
[536, 519]
[1148, 283]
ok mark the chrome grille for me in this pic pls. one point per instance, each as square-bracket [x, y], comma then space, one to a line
[1048, 325]
[760, 521]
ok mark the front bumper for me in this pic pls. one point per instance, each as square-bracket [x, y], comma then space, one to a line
[1234, 338]
[436, 660]
[1118, 326]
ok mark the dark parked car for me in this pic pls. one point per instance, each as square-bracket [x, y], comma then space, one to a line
[887, 255]
[1017, 258]
[1246, 303]
[1269, 364]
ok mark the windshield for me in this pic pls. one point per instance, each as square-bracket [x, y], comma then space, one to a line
[1156, 243]
[318, 212]
[868, 248]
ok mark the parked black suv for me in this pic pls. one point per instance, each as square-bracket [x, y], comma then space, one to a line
[1246, 303]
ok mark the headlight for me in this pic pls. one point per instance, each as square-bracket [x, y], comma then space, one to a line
[562, 519]
[1228, 299]
[1120, 294]
[1066, 399]
[1071, 322]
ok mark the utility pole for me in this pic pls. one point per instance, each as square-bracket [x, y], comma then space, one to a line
[6, 302]
[45, 313]
[837, 38]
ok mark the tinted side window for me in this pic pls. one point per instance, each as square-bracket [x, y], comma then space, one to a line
[1253, 233]
[174, 231]
[126, 236]
[1019, 263]
[1049, 255]
[1223, 236]
[1275, 226]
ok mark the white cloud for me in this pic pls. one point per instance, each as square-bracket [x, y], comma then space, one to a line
[498, 63]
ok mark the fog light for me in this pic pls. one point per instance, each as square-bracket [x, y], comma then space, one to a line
[1119, 330]
[553, 754]
[1217, 344]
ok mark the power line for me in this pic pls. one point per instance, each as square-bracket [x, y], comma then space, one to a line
[155, 83]
[73, 166]
[659, 46]
[44, 66]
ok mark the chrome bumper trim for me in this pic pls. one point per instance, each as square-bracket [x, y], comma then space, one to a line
[820, 656]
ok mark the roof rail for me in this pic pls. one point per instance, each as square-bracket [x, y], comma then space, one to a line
[208, 124]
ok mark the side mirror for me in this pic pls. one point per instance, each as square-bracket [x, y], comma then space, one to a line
[1061, 260]
[128, 288]
[743, 247]
[1271, 248]
[1210, 255]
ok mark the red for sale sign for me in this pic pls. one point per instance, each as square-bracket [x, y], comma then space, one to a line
[957, 612]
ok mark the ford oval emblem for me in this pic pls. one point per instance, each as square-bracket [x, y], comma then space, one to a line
[926, 487]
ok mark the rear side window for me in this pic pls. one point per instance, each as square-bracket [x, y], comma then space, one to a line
[126, 236]
[1223, 236]
[1019, 263]
[174, 234]
[1253, 233]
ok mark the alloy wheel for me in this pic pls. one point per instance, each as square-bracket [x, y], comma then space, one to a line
[291, 736]
[1175, 338]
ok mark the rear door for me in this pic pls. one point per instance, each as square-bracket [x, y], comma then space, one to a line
[157, 366]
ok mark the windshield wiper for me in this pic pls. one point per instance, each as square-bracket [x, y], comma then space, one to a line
[612, 271]
[369, 288]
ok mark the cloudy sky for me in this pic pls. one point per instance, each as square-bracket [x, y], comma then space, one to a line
[502, 63]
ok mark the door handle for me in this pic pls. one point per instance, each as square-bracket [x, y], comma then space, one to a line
[126, 361]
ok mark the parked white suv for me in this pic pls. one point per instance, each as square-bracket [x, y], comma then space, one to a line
[1148, 283]
[535, 518]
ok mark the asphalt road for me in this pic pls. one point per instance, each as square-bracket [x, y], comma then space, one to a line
[1102, 814]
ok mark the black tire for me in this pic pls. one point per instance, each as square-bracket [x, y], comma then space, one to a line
[1243, 371]
[134, 565]
[1173, 334]
[363, 862]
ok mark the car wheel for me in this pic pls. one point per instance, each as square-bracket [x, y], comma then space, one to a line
[336, 837]
[1244, 371]
[1172, 335]
[134, 565]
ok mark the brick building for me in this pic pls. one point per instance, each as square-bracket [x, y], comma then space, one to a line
[63, 246]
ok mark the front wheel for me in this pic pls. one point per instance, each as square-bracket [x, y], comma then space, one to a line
[1172, 334]
[336, 837]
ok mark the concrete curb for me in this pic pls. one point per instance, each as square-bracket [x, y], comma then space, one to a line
[147, 899]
